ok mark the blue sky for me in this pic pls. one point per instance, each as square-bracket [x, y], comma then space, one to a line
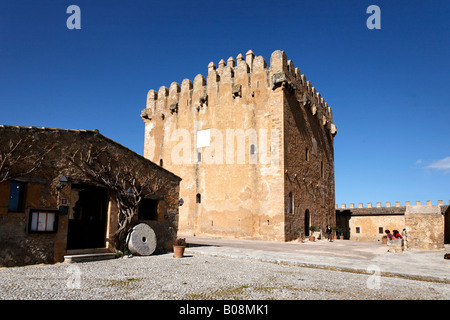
[388, 88]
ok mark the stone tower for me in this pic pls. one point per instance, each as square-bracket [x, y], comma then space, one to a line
[253, 145]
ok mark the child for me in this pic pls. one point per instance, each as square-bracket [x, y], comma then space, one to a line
[389, 234]
[328, 231]
[397, 235]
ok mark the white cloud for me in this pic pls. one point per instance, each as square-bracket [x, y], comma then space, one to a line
[443, 164]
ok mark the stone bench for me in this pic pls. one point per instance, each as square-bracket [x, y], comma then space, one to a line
[396, 245]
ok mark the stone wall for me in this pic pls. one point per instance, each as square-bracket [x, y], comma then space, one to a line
[364, 223]
[369, 226]
[308, 156]
[17, 246]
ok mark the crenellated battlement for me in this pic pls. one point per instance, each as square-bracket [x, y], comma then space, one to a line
[242, 79]
[388, 204]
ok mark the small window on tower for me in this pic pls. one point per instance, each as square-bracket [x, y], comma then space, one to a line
[314, 143]
[198, 198]
[291, 203]
[321, 169]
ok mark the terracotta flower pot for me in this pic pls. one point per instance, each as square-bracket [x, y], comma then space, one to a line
[178, 251]
[312, 239]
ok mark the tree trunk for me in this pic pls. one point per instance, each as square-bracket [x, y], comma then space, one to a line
[125, 214]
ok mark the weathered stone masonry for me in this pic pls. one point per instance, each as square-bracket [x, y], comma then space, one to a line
[254, 147]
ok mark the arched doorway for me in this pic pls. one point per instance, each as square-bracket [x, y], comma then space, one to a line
[307, 217]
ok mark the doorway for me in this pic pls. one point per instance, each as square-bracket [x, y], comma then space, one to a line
[87, 217]
[307, 217]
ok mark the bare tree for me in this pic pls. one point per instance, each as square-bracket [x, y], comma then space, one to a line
[21, 158]
[121, 180]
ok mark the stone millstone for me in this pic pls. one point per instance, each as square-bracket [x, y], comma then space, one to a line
[142, 240]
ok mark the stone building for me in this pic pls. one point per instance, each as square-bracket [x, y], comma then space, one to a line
[427, 226]
[58, 210]
[254, 147]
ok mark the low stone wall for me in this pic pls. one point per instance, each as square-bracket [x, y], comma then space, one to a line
[396, 245]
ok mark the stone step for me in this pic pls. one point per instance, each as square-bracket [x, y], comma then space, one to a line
[87, 251]
[73, 258]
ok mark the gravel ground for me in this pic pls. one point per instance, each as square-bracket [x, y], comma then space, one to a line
[203, 277]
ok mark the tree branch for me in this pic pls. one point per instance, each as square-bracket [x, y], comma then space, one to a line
[100, 165]
[17, 161]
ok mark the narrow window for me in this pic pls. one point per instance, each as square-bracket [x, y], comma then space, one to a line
[199, 157]
[321, 169]
[291, 203]
[380, 230]
[314, 143]
[198, 198]
[358, 230]
[160, 162]
[16, 191]
[148, 209]
[307, 155]
[252, 149]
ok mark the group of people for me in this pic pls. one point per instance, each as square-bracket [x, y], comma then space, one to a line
[391, 236]
[394, 235]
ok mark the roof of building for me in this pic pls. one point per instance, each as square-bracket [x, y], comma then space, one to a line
[378, 211]
[374, 211]
[91, 132]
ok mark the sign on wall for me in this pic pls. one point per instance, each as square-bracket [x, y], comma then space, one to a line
[203, 138]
